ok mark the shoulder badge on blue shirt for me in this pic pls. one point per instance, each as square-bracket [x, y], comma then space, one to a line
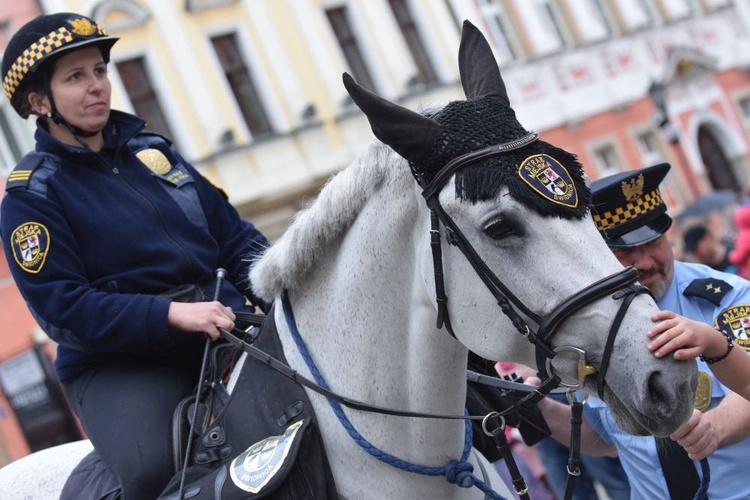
[21, 175]
[735, 322]
[711, 289]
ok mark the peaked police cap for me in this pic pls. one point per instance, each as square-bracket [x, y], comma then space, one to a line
[628, 208]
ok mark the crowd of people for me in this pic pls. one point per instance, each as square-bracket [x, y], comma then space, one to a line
[123, 370]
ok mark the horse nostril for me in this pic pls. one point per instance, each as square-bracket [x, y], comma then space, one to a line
[660, 396]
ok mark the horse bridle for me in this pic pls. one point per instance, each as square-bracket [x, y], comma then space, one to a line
[622, 285]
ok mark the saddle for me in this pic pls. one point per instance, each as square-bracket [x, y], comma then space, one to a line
[263, 442]
[260, 441]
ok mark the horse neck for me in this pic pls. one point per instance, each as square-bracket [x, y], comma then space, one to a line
[368, 318]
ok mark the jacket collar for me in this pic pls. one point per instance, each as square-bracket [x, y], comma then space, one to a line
[120, 128]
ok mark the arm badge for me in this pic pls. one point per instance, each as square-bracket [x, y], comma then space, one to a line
[735, 322]
[30, 243]
[711, 289]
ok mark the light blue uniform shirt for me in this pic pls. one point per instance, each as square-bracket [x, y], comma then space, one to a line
[730, 477]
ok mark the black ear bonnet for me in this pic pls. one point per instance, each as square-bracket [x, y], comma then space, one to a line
[540, 176]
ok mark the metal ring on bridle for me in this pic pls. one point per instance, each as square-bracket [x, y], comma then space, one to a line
[487, 417]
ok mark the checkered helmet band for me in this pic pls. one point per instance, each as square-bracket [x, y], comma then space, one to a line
[74, 30]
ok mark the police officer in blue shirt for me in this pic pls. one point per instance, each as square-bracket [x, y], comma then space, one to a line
[631, 215]
[106, 228]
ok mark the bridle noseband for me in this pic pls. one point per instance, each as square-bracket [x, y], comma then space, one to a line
[622, 282]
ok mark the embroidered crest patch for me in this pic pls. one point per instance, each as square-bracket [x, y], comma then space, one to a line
[155, 161]
[30, 242]
[735, 321]
[254, 468]
[549, 178]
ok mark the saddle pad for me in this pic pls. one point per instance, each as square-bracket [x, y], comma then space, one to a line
[91, 480]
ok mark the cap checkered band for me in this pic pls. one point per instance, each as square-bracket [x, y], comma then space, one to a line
[37, 51]
[631, 211]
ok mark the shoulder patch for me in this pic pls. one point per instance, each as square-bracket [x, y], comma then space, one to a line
[735, 322]
[711, 289]
[21, 175]
[30, 242]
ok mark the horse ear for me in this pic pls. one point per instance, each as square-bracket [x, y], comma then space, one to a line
[409, 134]
[480, 74]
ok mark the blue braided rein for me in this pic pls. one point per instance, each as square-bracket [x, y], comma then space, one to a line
[455, 472]
[702, 493]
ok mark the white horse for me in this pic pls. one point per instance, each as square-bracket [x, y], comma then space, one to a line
[357, 267]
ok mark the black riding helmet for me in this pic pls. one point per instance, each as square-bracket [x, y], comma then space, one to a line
[40, 41]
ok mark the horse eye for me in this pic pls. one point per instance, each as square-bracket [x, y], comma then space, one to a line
[499, 229]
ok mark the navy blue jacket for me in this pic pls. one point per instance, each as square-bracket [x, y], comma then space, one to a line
[92, 239]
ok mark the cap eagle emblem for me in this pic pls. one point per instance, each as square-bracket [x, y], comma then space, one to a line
[633, 189]
[82, 27]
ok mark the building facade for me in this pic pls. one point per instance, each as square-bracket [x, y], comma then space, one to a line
[250, 90]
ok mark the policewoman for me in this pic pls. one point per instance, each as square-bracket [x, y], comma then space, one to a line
[102, 225]
[630, 213]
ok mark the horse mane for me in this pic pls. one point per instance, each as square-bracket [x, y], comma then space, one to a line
[315, 229]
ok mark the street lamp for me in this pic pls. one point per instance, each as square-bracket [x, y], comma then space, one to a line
[657, 91]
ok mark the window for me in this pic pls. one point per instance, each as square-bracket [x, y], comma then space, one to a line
[649, 147]
[606, 159]
[600, 18]
[647, 10]
[198, 5]
[426, 73]
[552, 21]
[500, 30]
[142, 95]
[348, 42]
[242, 85]
[677, 9]
[452, 10]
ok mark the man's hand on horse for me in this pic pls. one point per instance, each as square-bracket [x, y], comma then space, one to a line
[201, 317]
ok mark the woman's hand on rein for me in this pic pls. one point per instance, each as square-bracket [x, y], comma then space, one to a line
[201, 317]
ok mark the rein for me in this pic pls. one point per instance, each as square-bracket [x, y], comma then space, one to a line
[456, 472]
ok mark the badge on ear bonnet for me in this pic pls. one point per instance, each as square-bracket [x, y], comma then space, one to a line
[542, 177]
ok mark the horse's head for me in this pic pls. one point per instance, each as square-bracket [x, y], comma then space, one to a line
[517, 209]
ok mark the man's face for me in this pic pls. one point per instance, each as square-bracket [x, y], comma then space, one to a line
[654, 262]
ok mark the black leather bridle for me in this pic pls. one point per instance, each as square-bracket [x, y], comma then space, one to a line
[621, 284]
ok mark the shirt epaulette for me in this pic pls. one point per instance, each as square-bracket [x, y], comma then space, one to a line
[711, 289]
[20, 177]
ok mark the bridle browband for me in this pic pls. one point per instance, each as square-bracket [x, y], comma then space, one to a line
[622, 282]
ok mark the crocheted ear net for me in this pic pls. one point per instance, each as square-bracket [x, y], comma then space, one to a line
[471, 125]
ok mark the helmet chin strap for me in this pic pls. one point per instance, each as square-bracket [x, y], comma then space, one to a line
[56, 117]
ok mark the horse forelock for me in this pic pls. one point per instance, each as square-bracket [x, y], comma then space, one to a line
[314, 230]
[483, 181]
[471, 125]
